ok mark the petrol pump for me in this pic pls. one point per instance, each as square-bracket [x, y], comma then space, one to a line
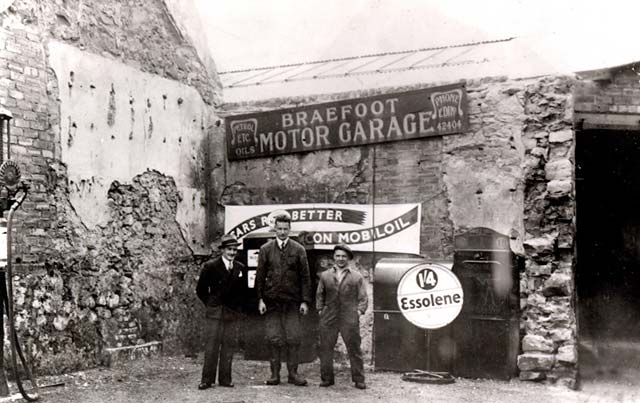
[13, 191]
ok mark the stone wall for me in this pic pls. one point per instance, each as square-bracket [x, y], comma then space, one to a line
[127, 283]
[112, 109]
[548, 284]
[512, 172]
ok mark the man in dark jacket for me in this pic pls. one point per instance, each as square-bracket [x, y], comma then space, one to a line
[221, 288]
[283, 289]
[341, 296]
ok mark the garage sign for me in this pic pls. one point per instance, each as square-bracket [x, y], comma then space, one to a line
[408, 115]
[430, 296]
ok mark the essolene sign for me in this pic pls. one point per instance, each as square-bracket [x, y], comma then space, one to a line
[430, 296]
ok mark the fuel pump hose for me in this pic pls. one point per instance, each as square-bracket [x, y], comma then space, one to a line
[8, 297]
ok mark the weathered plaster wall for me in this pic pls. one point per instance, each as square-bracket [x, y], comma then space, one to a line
[117, 122]
[104, 243]
[484, 176]
[513, 167]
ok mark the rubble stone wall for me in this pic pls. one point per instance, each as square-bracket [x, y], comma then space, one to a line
[127, 283]
[511, 172]
[548, 284]
[113, 264]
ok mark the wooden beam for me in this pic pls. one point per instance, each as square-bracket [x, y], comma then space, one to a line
[610, 121]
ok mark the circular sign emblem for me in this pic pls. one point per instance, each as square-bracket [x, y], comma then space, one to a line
[430, 296]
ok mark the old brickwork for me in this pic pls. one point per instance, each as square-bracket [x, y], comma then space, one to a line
[615, 91]
[25, 94]
[409, 172]
[131, 280]
[139, 33]
[511, 172]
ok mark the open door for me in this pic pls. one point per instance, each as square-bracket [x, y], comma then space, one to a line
[608, 251]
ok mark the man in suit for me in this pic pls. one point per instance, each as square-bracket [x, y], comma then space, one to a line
[284, 293]
[340, 297]
[221, 288]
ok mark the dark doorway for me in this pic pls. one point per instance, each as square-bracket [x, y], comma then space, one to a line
[608, 256]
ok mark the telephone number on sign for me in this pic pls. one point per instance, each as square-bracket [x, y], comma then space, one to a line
[448, 126]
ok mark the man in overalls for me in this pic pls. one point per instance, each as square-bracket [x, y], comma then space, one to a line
[340, 299]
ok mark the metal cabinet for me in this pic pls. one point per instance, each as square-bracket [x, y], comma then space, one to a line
[398, 344]
[487, 330]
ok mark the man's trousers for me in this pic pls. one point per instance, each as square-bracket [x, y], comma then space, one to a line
[351, 337]
[282, 324]
[220, 338]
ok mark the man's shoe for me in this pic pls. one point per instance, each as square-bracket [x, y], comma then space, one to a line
[274, 365]
[292, 367]
[226, 385]
[297, 380]
[204, 385]
[361, 385]
[324, 384]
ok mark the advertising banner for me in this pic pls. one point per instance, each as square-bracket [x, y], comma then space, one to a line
[383, 227]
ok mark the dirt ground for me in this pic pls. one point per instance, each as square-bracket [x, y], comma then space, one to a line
[175, 379]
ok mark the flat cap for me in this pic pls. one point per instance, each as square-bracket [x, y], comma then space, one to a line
[344, 247]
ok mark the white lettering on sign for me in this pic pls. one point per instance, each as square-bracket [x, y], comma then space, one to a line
[427, 279]
[332, 114]
[430, 296]
[394, 227]
[346, 123]
[311, 131]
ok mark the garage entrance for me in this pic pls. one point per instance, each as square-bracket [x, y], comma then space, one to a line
[608, 256]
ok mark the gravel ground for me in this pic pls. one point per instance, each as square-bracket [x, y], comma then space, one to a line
[175, 379]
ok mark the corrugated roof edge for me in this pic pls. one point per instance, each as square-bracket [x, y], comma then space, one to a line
[365, 56]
